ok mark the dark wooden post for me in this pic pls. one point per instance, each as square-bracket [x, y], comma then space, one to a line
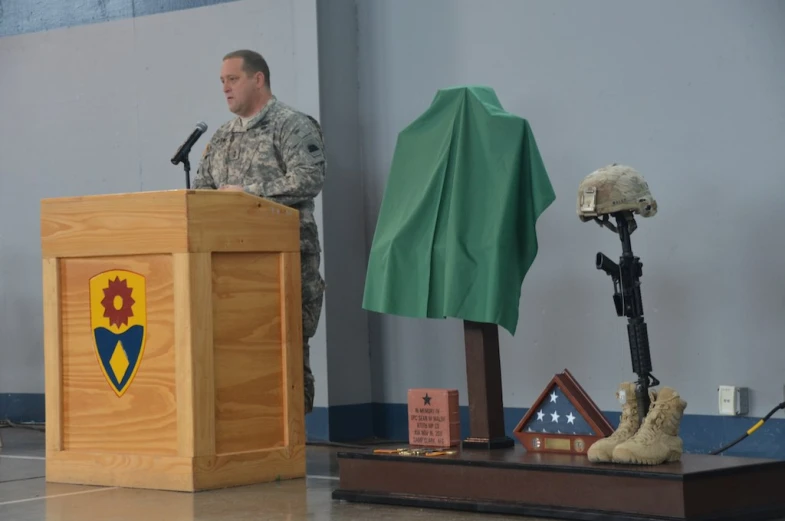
[484, 378]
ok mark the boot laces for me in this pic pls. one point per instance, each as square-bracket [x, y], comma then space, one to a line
[652, 425]
[627, 422]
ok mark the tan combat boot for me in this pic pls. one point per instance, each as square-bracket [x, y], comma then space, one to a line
[657, 441]
[601, 451]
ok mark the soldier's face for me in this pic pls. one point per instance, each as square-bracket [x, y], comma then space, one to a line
[241, 90]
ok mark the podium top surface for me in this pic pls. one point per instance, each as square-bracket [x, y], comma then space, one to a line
[167, 221]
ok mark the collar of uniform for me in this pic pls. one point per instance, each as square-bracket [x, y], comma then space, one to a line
[238, 122]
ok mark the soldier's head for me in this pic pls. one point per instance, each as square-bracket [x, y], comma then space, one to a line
[245, 76]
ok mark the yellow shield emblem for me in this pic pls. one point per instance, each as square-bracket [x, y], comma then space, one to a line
[118, 320]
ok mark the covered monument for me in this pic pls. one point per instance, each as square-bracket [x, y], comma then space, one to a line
[456, 229]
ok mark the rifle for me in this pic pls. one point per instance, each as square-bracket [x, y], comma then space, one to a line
[627, 299]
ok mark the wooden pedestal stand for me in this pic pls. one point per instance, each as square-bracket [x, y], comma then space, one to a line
[172, 340]
[483, 373]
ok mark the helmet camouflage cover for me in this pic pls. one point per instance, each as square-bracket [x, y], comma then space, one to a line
[614, 188]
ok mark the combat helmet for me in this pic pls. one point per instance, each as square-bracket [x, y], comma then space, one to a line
[614, 190]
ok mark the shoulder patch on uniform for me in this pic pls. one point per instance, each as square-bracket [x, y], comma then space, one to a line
[314, 148]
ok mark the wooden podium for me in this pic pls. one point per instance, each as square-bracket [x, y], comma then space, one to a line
[173, 340]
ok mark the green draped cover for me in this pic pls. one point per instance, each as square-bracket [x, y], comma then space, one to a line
[456, 230]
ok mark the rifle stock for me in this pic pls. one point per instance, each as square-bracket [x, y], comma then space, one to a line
[628, 302]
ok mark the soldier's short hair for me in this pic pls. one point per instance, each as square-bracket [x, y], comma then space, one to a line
[253, 62]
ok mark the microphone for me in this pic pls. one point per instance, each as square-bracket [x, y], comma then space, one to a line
[185, 149]
[181, 156]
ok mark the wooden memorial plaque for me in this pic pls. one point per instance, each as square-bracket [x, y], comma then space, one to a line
[434, 419]
[563, 419]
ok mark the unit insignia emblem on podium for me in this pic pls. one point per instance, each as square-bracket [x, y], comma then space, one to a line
[563, 419]
[118, 320]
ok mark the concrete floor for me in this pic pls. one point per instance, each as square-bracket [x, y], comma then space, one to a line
[25, 496]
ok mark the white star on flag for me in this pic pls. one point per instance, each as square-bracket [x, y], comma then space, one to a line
[557, 408]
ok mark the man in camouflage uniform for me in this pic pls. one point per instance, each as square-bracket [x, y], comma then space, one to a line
[273, 151]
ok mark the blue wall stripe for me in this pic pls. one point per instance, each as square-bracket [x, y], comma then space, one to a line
[28, 16]
[355, 423]
[22, 408]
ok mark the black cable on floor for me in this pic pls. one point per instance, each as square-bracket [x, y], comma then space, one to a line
[750, 430]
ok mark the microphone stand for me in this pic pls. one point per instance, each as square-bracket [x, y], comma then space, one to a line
[181, 156]
[187, 167]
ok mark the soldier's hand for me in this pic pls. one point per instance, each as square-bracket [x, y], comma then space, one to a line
[231, 188]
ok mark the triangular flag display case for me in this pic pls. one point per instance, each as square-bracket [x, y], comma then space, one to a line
[563, 419]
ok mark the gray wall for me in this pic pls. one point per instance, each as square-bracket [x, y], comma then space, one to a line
[689, 93]
[100, 108]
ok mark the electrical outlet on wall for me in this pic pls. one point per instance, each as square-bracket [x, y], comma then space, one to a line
[733, 401]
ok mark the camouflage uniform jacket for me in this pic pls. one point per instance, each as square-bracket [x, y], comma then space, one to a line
[278, 155]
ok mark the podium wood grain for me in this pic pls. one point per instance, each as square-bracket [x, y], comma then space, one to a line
[217, 399]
